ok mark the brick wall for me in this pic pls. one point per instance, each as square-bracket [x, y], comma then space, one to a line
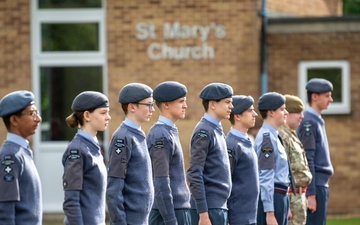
[305, 7]
[15, 68]
[236, 56]
[286, 48]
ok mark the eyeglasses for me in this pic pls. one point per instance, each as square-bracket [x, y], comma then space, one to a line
[150, 105]
[33, 113]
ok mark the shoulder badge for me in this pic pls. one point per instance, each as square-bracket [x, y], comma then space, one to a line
[307, 126]
[119, 143]
[202, 133]
[230, 152]
[8, 178]
[8, 160]
[74, 154]
[159, 144]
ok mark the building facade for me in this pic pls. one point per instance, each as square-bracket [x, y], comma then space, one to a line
[58, 49]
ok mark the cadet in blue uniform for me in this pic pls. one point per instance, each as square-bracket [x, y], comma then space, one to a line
[172, 196]
[20, 188]
[243, 201]
[130, 190]
[312, 134]
[84, 179]
[273, 163]
[209, 171]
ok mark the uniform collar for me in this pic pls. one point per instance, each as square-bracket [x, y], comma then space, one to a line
[211, 119]
[164, 120]
[238, 133]
[18, 140]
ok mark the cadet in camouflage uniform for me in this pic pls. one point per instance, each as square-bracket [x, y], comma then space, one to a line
[298, 161]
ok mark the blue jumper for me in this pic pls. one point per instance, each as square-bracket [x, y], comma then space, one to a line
[84, 182]
[130, 190]
[20, 187]
[209, 171]
[312, 134]
[171, 190]
[243, 201]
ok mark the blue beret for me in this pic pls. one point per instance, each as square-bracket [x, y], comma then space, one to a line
[169, 91]
[241, 103]
[15, 101]
[271, 101]
[319, 85]
[89, 100]
[134, 92]
[216, 91]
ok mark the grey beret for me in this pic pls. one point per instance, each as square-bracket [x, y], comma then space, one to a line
[169, 91]
[241, 103]
[89, 100]
[271, 101]
[216, 91]
[134, 92]
[15, 101]
[319, 85]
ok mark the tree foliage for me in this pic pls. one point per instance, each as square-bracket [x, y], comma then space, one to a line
[351, 7]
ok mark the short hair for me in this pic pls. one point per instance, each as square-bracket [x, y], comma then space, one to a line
[158, 104]
[232, 119]
[263, 113]
[124, 107]
[6, 118]
[205, 104]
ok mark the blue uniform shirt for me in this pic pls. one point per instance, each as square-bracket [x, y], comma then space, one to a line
[171, 190]
[273, 164]
[243, 201]
[84, 181]
[20, 188]
[130, 189]
[209, 172]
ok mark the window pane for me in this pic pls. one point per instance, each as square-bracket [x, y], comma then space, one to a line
[70, 37]
[55, 4]
[331, 74]
[59, 86]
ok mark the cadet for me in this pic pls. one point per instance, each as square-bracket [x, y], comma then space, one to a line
[273, 165]
[209, 171]
[84, 179]
[172, 196]
[243, 202]
[20, 188]
[312, 134]
[297, 158]
[130, 190]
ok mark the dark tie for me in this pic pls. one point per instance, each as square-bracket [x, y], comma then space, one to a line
[292, 182]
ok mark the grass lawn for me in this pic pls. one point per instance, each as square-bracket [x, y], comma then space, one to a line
[347, 221]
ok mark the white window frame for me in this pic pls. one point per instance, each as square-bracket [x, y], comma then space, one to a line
[343, 107]
[48, 153]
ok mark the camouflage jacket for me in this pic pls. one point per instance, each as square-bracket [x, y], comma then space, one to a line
[296, 155]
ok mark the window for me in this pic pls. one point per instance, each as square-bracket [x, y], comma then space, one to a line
[68, 56]
[338, 73]
[59, 86]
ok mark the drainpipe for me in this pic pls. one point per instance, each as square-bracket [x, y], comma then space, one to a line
[263, 59]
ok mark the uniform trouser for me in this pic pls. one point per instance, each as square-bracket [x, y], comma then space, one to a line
[319, 216]
[182, 217]
[281, 209]
[217, 216]
[298, 207]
